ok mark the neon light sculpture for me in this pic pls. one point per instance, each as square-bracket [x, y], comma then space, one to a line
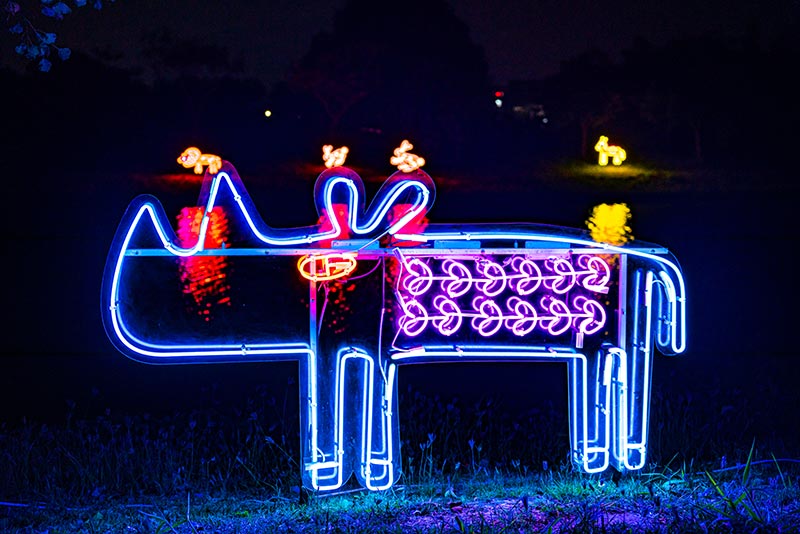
[405, 160]
[193, 157]
[334, 158]
[605, 151]
[420, 292]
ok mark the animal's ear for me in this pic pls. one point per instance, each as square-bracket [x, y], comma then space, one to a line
[405, 197]
[402, 198]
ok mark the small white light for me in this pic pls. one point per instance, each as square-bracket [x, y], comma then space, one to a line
[268, 113]
[498, 102]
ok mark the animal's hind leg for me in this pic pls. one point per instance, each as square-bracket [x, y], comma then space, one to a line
[588, 412]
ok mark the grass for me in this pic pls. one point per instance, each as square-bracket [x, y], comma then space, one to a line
[468, 467]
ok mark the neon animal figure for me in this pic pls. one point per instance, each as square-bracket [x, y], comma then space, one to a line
[405, 160]
[334, 158]
[616, 153]
[504, 292]
[193, 157]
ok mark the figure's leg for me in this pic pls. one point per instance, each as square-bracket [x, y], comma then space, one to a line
[382, 452]
[322, 453]
[588, 412]
[367, 429]
[639, 370]
[618, 410]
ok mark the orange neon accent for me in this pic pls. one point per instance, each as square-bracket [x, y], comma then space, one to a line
[404, 160]
[334, 158]
[193, 157]
[326, 266]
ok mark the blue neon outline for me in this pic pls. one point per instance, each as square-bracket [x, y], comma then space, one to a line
[617, 434]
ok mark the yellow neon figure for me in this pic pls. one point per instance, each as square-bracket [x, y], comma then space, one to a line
[609, 224]
[616, 153]
[404, 160]
[192, 157]
[334, 158]
[322, 267]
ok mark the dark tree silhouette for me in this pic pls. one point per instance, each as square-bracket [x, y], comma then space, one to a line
[708, 94]
[412, 72]
[587, 93]
[29, 24]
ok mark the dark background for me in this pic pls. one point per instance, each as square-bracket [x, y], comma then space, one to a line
[707, 92]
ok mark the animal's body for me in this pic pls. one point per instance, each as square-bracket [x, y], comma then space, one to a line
[606, 151]
[193, 157]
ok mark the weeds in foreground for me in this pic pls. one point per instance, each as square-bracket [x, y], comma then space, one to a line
[468, 467]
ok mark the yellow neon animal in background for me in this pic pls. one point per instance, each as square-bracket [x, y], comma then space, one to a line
[334, 158]
[616, 153]
[404, 160]
[192, 157]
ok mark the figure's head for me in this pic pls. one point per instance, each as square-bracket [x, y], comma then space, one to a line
[189, 157]
[601, 143]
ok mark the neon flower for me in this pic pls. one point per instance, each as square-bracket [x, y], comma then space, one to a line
[616, 153]
[334, 158]
[516, 292]
[404, 160]
[193, 157]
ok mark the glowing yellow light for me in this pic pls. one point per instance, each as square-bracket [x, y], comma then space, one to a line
[616, 153]
[319, 268]
[609, 224]
[334, 158]
[404, 160]
[192, 157]
[268, 113]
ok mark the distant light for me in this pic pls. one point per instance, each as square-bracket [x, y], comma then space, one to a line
[193, 157]
[334, 158]
[498, 102]
[405, 160]
[499, 94]
[544, 120]
[268, 113]
[616, 153]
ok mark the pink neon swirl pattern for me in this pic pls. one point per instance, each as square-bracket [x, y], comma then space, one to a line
[499, 291]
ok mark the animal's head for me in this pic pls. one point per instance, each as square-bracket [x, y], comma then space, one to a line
[601, 143]
[189, 157]
[404, 147]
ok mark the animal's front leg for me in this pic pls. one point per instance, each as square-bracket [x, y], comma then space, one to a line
[323, 446]
[379, 449]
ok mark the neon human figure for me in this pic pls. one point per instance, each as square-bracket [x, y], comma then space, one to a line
[605, 151]
[459, 292]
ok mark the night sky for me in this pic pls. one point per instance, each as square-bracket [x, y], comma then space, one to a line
[521, 39]
[53, 352]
